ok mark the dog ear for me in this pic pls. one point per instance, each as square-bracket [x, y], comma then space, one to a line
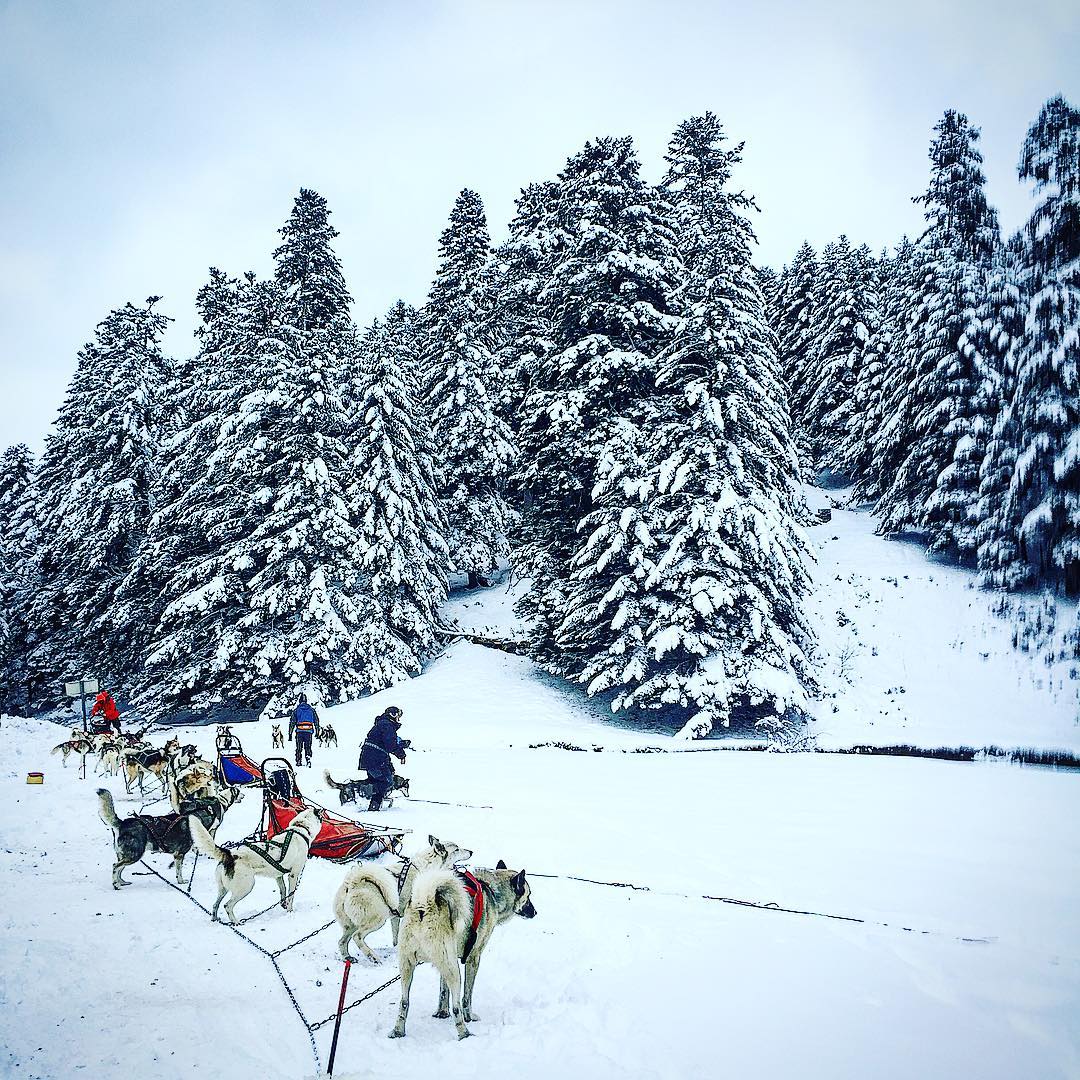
[440, 849]
[500, 865]
[519, 882]
[431, 840]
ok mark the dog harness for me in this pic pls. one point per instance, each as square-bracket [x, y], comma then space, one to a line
[475, 888]
[283, 841]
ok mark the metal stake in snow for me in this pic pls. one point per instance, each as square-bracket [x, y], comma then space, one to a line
[337, 1019]
[79, 690]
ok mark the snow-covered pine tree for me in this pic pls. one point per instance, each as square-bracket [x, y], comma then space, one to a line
[958, 245]
[307, 267]
[725, 622]
[473, 442]
[997, 325]
[402, 552]
[856, 456]
[17, 546]
[793, 323]
[521, 268]
[846, 341]
[883, 426]
[1046, 403]
[207, 506]
[608, 303]
[93, 490]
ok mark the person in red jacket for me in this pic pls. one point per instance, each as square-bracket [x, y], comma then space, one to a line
[110, 714]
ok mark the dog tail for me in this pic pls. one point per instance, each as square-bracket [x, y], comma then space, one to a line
[205, 843]
[108, 810]
[381, 879]
[439, 895]
[330, 780]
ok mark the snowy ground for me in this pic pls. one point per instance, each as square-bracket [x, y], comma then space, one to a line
[978, 861]
[916, 655]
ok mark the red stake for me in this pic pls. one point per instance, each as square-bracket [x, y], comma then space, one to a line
[337, 1022]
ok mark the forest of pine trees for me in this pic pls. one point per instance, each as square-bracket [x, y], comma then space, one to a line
[942, 380]
[615, 402]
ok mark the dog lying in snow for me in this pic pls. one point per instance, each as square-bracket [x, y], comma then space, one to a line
[437, 927]
[282, 858]
[351, 790]
[169, 833]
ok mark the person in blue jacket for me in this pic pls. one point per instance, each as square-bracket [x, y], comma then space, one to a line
[305, 725]
[382, 741]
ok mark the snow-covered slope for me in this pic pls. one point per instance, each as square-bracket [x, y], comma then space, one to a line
[914, 653]
[606, 981]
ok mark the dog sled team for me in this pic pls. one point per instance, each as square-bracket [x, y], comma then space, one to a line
[440, 913]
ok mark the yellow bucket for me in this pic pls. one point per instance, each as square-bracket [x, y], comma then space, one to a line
[35, 778]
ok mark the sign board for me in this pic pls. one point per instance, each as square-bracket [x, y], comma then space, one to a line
[81, 688]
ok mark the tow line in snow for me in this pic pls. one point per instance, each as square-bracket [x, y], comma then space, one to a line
[770, 906]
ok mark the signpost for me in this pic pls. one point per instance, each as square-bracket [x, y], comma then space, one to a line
[80, 689]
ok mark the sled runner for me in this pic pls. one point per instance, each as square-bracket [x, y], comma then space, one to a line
[340, 838]
[234, 768]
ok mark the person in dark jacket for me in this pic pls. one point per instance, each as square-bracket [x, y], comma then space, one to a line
[382, 741]
[305, 725]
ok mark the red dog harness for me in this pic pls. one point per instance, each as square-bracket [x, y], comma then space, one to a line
[475, 889]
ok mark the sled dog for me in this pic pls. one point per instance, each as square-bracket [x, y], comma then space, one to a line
[168, 833]
[147, 761]
[81, 745]
[327, 735]
[351, 790]
[364, 901]
[277, 740]
[438, 855]
[282, 858]
[437, 928]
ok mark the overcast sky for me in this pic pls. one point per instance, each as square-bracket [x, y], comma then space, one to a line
[142, 143]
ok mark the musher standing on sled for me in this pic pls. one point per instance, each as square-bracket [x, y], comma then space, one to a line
[305, 724]
[382, 741]
[110, 714]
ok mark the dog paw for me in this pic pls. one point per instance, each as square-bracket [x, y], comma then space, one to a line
[395, 1034]
[464, 1033]
[442, 1014]
[471, 1018]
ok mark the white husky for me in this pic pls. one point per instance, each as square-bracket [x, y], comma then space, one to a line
[364, 901]
[283, 858]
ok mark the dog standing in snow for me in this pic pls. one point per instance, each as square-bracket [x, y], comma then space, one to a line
[277, 740]
[282, 858]
[438, 855]
[438, 927]
[364, 901]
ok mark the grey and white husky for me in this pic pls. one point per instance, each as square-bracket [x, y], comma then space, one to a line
[438, 855]
[436, 928]
[282, 858]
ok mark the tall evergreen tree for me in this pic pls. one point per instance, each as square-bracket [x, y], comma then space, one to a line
[959, 242]
[474, 443]
[608, 303]
[1046, 404]
[17, 544]
[402, 553]
[93, 491]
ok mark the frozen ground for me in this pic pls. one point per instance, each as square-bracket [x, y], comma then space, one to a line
[605, 982]
[979, 861]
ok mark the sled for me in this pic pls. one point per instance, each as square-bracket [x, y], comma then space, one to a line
[234, 767]
[340, 838]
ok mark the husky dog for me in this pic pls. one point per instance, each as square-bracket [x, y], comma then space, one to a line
[108, 759]
[437, 928]
[327, 735]
[147, 761]
[439, 855]
[277, 740]
[364, 901]
[351, 790]
[194, 781]
[282, 858]
[79, 746]
[169, 833]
